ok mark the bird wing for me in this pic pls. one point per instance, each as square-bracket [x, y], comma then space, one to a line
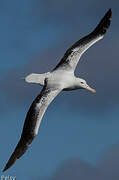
[73, 54]
[32, 122]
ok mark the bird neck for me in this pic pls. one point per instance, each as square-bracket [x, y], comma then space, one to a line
[77, 84]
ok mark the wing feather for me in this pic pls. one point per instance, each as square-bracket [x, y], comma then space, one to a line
[73, 54]
[32, 122]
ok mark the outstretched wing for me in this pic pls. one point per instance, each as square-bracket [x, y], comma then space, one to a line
[32, 122]
[73, 54]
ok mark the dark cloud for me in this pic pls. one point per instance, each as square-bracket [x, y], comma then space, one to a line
[77, 169]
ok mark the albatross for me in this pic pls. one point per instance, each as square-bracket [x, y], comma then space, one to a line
[60, 78]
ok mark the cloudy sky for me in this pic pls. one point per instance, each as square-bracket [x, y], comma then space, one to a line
[79, 134]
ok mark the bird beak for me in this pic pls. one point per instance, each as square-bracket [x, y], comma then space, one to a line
[91, 89]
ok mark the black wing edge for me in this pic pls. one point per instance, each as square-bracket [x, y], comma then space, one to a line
[26, 137]
[100, 30]
[20, 149]
[104, 23]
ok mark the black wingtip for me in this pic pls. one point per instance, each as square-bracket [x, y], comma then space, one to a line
[11, 161]
[104, 23]
[5, 169]
[109, 14]
[110, 11]
[20, 149]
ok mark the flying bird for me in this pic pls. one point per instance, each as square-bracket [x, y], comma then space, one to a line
[60, 78]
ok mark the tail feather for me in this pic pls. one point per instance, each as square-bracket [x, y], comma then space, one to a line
[36, 78]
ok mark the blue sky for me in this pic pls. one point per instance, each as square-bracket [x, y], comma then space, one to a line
[79, 129]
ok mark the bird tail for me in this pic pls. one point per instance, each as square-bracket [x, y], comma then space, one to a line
[20, 149]
[36, 78]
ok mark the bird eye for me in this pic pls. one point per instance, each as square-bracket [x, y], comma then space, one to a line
[82, 82]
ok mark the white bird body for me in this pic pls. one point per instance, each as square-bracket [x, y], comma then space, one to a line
[65, 80]
[60, 78]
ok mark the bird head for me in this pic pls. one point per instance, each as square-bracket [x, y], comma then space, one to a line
[83, 84]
